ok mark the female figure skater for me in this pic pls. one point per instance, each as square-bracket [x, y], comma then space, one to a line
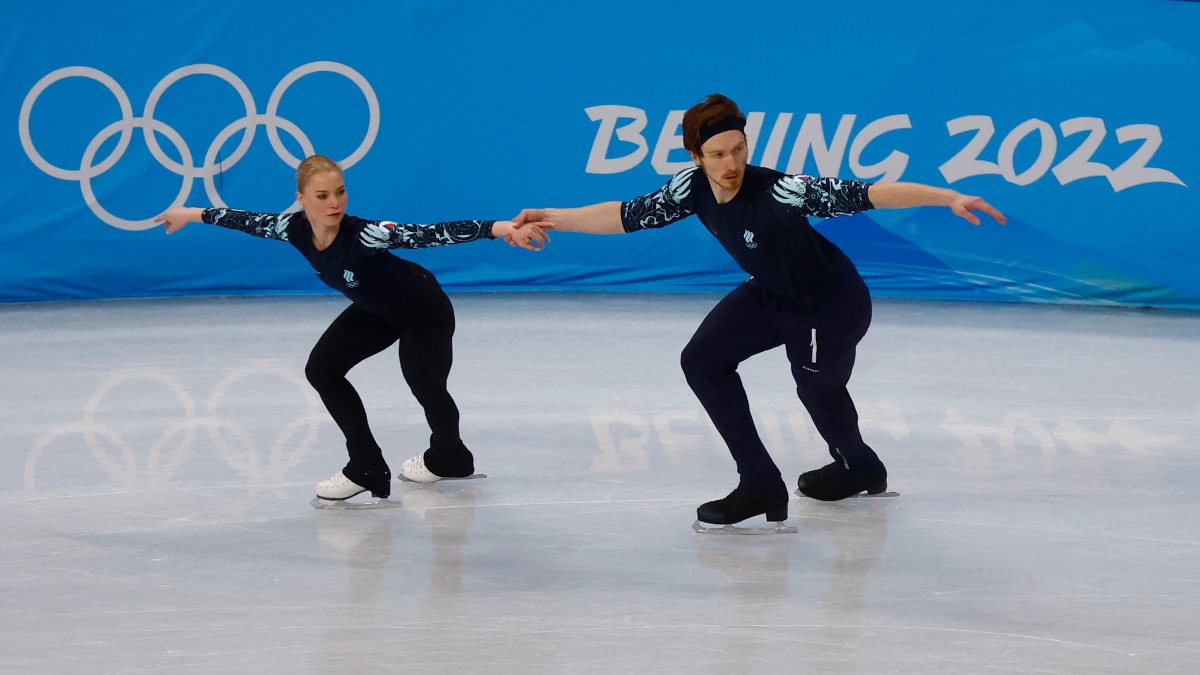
[392, 300]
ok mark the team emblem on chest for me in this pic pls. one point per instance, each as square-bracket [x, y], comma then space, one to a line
[351, 282]
[749, 237]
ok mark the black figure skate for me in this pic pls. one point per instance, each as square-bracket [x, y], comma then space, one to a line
[833, 482]
[740, 505]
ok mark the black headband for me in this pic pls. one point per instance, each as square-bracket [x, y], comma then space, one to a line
[728, 124]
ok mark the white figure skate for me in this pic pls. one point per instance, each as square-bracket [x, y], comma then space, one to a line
[414, 470]
[334, 494]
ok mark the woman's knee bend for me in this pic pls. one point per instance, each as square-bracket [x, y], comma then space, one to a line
[320, 374]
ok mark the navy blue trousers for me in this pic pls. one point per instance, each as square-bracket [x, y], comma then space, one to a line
[820, 346]
[423, 325]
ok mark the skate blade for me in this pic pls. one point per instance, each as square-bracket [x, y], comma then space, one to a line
[347, 505]
[777, 528]
[861, 495]
[474, 476]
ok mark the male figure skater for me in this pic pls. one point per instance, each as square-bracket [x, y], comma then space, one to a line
[803, 293]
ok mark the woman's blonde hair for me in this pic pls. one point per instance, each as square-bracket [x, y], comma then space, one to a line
[311, 166]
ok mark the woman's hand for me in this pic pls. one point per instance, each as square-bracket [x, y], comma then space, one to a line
[528, 235]
[177, 216]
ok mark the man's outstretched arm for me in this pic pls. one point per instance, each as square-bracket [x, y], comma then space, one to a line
[905, 195]
[603, 218]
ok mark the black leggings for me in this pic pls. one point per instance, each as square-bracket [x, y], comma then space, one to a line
[424, 329]
[820, 347]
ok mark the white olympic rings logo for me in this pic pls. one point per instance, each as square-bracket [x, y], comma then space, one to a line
[89, 169]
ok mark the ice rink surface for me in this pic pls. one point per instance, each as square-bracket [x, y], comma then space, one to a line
[159, 456]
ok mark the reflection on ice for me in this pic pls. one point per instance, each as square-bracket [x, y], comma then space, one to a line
[159, 458]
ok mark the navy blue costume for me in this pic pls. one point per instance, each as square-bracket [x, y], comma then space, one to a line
[393, 300]
[804, 294]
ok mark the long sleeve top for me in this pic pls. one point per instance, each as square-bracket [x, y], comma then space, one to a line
[356, 263]
[765, 226]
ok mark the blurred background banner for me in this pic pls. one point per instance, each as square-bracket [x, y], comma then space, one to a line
[1077, 119]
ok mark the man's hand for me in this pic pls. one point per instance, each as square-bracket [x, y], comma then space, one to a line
[963, 205]
[530, 216]
[527, 233]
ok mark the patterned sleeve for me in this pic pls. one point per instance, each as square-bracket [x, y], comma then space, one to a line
[384, 234]
[662, 207]
[265, 225]
[822, 197]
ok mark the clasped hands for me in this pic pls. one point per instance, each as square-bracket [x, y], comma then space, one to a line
[528, 230]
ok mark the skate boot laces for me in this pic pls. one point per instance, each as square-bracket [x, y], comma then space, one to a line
[338, 487]
[416, 471]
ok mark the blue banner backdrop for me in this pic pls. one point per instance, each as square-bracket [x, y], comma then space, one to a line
[1078, 119]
